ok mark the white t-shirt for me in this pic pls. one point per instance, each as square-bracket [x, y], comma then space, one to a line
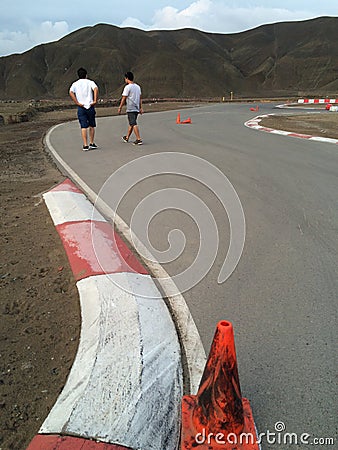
[83, 89]
[133, 93]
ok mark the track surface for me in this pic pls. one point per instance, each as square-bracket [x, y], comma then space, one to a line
[281, 298]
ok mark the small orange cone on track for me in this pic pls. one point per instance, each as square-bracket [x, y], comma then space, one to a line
[178, 119]
[254, 109]
[218, 417]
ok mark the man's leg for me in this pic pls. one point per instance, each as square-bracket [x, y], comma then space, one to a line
[92, 123]
[137, 132]
[84, 136]
[132, 117]
[91, 134]
[130, 130]
[82, 116]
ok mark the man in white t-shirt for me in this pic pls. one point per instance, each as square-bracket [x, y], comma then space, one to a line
[84, 93]
[132, 96]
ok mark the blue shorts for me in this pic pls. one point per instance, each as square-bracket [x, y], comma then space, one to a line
[132, 118]
[86, 116]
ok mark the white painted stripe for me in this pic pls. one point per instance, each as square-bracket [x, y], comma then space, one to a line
[281, 132]
[82, 368]
[67, 206]
[126, 381]
[324, 139]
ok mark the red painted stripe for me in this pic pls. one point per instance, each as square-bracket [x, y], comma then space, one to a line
[53, 442]
[67, 186]
[266, 129]
[94, 248]
[303, 136]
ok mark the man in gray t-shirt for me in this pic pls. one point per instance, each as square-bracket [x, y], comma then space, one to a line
[132, 97]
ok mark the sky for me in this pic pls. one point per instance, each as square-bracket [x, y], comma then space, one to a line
[23, 25]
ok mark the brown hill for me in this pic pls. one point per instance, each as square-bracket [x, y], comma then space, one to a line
[291, 58]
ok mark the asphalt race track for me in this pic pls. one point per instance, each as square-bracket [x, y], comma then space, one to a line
[281, 297]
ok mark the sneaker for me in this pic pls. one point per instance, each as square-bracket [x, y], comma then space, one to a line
[93, 146]
[138, 142]
[124, 139]
[85, 148]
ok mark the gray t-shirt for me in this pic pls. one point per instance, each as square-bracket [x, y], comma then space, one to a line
[133, 93]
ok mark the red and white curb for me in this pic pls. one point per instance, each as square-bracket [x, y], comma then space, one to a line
[125, 386]
[50, 442]
[254, 124]
[189, 337]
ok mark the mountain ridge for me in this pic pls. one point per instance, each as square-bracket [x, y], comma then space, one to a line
[286, 57]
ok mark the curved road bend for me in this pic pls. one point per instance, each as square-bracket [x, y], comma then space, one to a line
[282, 296]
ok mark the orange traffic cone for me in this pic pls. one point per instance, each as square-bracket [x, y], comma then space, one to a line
[188, 120]
[254, 109]
[218, 417]
[178, 118]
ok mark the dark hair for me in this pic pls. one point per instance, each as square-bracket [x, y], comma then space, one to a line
[82, 73]
[129, 76]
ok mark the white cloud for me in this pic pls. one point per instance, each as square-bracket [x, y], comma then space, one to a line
[214, 16]
[12, 41]
[48, 31]
[169, 17]
[17, 41]
[133, 23]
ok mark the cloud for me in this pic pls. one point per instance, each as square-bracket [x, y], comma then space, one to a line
[169, 17]
[172, 18]
[132, 22]
[214, 16]
[49, 31]
[18, 42]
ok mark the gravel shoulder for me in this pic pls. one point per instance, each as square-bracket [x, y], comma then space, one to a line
[322, 124]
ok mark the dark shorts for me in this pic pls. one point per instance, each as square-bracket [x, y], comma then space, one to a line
[86, 117]
[132, 118]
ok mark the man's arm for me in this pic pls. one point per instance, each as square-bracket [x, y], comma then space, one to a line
[123, 101]
[141, 109]
[95, 95]
[73, 96]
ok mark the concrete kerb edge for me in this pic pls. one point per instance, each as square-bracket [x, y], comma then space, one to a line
[254, 124]
[188, 335]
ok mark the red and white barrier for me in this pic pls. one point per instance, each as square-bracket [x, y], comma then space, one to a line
[126, 380]
[317, 100]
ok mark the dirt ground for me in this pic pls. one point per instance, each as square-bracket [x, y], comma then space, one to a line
[324, 124]
[39, 307]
